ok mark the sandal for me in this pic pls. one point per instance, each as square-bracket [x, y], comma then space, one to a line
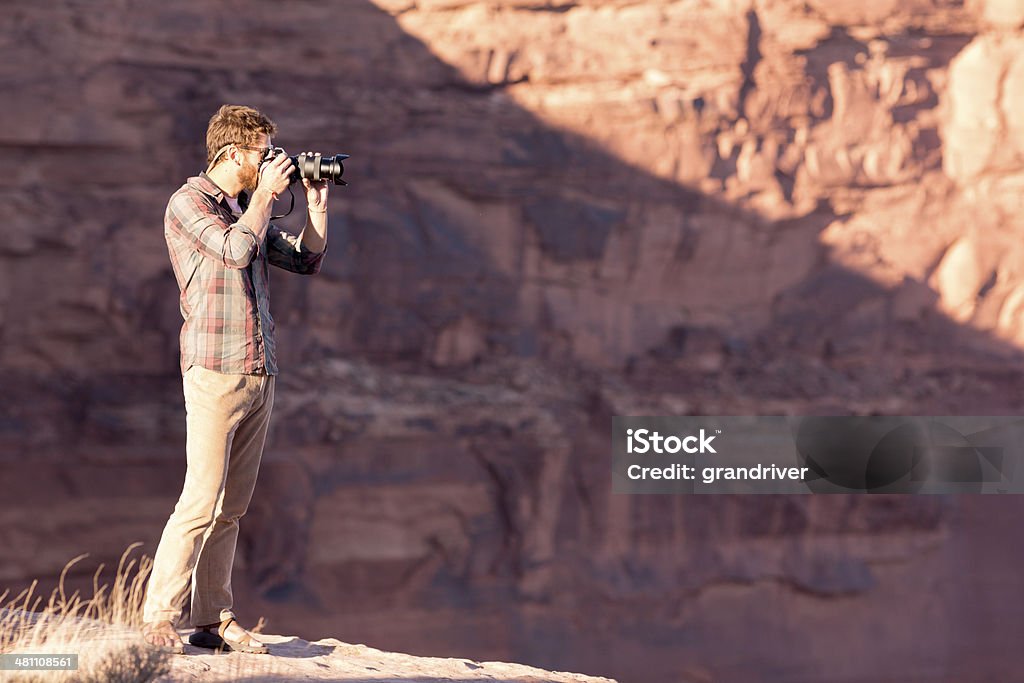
[213, 637]
[155, 632]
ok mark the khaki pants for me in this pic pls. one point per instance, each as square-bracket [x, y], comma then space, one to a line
[227, 418]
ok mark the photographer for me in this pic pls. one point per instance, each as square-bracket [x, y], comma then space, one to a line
[220, 240]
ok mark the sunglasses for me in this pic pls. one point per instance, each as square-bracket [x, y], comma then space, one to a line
[266, 153]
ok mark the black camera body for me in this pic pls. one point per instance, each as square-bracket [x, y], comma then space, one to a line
[313, 166]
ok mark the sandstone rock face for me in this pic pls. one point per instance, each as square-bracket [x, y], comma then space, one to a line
[984, 133]
[558, 212]
[1006, 14]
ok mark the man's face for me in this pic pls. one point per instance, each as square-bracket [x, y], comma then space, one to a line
[249, 172]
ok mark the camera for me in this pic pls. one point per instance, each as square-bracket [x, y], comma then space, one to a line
[314, 166]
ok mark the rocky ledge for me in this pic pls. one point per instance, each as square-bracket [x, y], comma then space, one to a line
[294, 659]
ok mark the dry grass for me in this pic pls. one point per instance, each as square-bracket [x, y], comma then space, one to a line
[103, 630]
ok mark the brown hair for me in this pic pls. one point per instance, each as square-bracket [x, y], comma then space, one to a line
[235, 124]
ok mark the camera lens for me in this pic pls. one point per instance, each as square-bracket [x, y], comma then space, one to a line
[315, 167]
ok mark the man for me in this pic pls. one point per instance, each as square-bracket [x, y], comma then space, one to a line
[220, 240]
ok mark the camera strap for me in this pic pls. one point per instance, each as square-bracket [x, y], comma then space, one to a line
[291, 205]
[213, 162]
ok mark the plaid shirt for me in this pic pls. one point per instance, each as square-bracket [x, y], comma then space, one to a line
[222, 274]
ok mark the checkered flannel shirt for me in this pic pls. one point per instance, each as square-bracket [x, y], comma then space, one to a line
[223, 277]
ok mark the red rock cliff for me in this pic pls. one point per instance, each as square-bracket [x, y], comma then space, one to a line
[558, 212]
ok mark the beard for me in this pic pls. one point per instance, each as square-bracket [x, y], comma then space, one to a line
[249, 176]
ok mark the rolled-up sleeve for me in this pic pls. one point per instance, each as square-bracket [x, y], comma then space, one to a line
[233, 244]
[284, 250]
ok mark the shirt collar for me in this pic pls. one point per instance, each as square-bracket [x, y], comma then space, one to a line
[205, 184]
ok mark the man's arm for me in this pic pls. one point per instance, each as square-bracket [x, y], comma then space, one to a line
[199, 224]
[314, 233]
[303, 254]
[288, 252]
[274, 176]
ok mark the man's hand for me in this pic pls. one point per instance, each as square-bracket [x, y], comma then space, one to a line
[274, 175]
[316, 193]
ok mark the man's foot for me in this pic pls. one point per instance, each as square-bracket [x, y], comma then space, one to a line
[162, 634]
[227, 635]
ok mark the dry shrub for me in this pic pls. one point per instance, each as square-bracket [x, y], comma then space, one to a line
[102, 629]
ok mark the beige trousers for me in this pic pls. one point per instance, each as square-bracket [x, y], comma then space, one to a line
[226, 419]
